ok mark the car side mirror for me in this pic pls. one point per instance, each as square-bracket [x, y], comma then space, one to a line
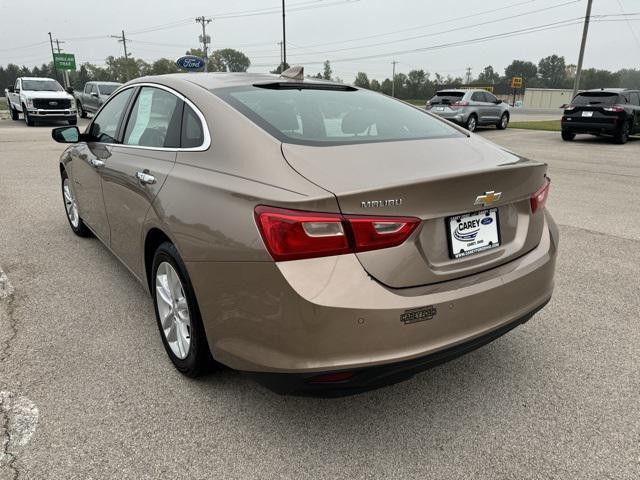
[94, 94]
[70, 90]
[16, 90]
[66, 134]
[498, 102]
[10, 89]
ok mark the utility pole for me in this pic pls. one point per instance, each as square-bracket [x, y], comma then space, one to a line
[204, 39]
[281, 60]
[284, 40]
[587, 17]
[468, 75]
[122, 39]
[393, 79]
[65, 73]
[52, 55]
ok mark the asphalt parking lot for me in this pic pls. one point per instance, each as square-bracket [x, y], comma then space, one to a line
[87, 391]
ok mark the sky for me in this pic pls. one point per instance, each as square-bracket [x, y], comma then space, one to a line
[355, 35]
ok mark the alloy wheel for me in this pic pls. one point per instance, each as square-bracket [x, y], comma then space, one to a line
[70, 204]
[173, 310]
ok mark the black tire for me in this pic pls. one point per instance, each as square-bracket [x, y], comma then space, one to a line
[567, 136]
[622, 135]
[198, 360]
[73, 121]
[29, 121]
[503, 122]
[81, 111]
[472, 123]
[81, 229]
[14, 113]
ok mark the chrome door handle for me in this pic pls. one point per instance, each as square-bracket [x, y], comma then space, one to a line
[96, 163]
[146, 178]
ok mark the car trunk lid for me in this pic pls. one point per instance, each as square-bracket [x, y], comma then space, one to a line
[433, 180]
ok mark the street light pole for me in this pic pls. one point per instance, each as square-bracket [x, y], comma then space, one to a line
[284, 39]
[587, 17]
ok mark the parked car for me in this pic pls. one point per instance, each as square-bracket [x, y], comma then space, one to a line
[40, 99]
[317, 235]
[93, 95]
[470, 108]
[604, 111]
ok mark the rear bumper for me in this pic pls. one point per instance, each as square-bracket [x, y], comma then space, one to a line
[321, 315]
[370, 378]
[609, 127]
[456, 117]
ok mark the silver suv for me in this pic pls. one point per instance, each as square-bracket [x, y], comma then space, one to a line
[470, 108]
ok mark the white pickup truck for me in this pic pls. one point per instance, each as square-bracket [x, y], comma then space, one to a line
[40, 99]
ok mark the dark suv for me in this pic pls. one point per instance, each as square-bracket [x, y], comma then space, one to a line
[606, 111]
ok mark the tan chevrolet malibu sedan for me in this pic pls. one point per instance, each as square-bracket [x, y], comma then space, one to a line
[322, 237]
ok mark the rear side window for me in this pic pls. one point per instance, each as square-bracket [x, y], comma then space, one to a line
[446, 98]
[155, 119]
[596, 98]
[327, 116]
[478, 97]
[489, 97]
[192, 133]
[634, 98]
[105, 126]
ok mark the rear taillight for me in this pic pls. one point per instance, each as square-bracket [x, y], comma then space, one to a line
[459, 105]
[539, 198]
[569, 107]
[614, 108]
[294, 234]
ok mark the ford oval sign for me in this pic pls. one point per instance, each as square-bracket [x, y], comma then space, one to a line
[190, 62]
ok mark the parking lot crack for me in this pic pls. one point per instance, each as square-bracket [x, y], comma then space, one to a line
[7, 316]
[7, 459]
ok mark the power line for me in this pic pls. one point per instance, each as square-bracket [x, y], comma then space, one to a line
[633, 32]
[523, 31]
[204, 38]
[442, 32]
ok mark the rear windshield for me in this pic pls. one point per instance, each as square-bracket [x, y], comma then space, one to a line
[41, 85]
[107, 89]
[598, 98]
[446, 97]
[323, 117]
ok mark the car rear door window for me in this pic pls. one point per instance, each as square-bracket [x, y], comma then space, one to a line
[155, 119]
[192, 133]
[595, 99]
[490, 97]
[446, 98]
[478, 97]
[104, 127]
[634, 98]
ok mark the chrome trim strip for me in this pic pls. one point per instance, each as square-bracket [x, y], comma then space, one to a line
[205, 127]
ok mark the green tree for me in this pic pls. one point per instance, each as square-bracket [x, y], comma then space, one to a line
[326, 71]
[415, 83]
[362, 80]
[280, 68]
[385, 86]
[552, 71]
[594, 78]
[488, 75]
[163, 66]
[374, 85]
[521, 68]
[228, 60]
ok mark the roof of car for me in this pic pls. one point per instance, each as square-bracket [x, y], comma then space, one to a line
[462, 90]
[104, 83]
[612, 90]
[38, 78]
[214, 80]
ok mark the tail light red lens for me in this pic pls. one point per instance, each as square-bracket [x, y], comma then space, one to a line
[539, 198]
[294, 234]
[371, 233]
[615, 108]
[459, 105]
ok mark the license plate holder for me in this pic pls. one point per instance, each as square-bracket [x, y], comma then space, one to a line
[474, 232]
[587, 113]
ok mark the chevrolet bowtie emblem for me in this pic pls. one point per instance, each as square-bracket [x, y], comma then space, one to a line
[488, 198]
